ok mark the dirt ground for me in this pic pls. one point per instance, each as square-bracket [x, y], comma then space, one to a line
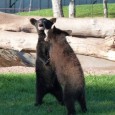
[91, 65]
[98, 66]
[17, 69]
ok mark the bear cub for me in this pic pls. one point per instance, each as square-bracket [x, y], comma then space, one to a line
[68, 69]
[46, 79]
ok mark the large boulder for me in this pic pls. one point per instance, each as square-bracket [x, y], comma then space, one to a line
[10, 58]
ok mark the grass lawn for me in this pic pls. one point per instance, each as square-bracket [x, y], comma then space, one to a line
[17, 95]
[81, 11]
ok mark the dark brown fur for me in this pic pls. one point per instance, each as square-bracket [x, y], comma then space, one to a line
[68, 69]
[46, 79]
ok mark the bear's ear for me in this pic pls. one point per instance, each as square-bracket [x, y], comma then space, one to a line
[69, 32]
[33, 21]
[55, 30]
[58, 31]
[53, 20]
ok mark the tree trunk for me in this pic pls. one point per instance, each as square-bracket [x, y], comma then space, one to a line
[30, 5]
[20, 6]
[10, 2]
[105, 8]
[72, 9]
[57, 8]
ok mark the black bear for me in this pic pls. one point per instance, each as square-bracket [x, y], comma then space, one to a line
[68, 69]
[46, 79]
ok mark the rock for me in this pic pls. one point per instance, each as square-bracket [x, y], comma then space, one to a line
[10, 58]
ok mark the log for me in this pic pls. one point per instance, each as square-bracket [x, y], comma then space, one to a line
[94, 27]
[29, 50]
[16, 23]
[94, 36]
[88, 27]
[18, 40]
[26, 42]
[97, 47]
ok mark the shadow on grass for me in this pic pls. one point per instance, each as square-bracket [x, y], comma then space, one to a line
[17, 95]
[112, 15]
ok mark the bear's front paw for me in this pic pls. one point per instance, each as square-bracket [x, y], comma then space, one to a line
[47, 62]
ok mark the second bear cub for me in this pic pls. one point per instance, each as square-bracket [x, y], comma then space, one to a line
[68, 69]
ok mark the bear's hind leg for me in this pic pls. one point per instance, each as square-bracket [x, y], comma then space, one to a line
[39, 97]
[69, 101]
[40, 92]
[82, 101]
[58, 93]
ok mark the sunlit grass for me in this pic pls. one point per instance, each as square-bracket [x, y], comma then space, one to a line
[17, 96]
[81, 11]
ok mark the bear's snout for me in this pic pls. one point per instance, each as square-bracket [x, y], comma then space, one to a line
[40, 25]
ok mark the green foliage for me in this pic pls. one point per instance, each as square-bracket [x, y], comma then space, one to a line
[81, 11]
[17, 96]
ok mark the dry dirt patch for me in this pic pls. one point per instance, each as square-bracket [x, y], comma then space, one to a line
[17, 69]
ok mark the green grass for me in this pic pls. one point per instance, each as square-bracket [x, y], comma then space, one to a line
[17, 95]
[81, 11]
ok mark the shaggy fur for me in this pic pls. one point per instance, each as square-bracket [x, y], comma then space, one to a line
[46, 79]
[68, 69]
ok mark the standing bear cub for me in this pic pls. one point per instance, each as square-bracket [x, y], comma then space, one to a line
[46, 79]
[68, 69]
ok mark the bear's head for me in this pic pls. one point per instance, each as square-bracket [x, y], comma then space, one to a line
[43, 23]
[58, 35]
